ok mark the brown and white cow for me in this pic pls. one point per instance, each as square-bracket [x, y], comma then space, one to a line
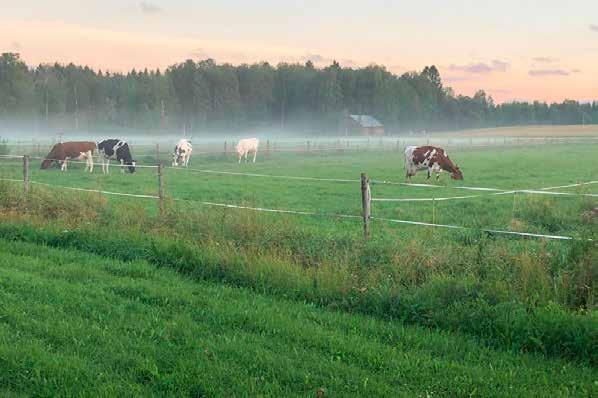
[74, 150]
[434, 159]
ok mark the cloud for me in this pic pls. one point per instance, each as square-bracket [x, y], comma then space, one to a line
[548, 72]
[594, 28]
[546, 60]
[16, 45]
[149, 8]
[481, 67]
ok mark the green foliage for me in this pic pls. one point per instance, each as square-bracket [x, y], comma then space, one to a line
[203, 95]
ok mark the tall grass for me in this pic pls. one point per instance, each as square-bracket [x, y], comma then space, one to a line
[83, 325]
[524, 295]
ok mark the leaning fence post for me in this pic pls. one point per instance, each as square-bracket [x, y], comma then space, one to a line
[26, 174]
[161, 186]
[366, 198]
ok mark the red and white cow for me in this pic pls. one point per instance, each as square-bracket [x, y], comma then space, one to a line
[434, 159]
[247, 145]
[74, 150]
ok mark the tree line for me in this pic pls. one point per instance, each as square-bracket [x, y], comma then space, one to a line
[207, 96]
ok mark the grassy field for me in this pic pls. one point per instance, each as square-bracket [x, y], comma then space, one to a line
[77, 324]
[590, 130]
[515, 295]
[505, 168]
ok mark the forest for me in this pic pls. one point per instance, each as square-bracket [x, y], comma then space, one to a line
[206, 96]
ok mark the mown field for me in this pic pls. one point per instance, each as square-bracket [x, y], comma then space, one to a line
[506, 296]
[75, 324]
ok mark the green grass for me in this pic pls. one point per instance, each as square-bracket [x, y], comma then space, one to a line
[524, 168]
[514, 294]
[72, 323]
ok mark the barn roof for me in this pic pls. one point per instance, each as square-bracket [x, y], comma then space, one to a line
[366, 121]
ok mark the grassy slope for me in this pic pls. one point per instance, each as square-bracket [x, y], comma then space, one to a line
[72, 323]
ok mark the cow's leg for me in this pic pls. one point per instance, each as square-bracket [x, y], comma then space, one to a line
[90, 160]
[240, 156]
[254, 155]
[63, 166]
[122, 166]
[429, 173]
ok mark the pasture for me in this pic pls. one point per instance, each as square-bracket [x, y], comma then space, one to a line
[507, 168]
[511, 295]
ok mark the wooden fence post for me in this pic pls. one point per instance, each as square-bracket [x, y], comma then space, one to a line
[225, 149]
[26, 174]
[366, 199]
[157, 153]
[308, 146]
[267, 147]
[161, 186]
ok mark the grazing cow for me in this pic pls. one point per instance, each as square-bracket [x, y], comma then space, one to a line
[117, 150]
[65, 151]
[432, 158]
[182, 153]
[245, 146]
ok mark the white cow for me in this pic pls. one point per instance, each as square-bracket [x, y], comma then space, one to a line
[182, 153]
[245, 146]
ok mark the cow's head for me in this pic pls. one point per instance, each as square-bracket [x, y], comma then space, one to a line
[456, 174]
[46, 164]
[132, 165]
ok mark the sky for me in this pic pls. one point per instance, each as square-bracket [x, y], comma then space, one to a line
[514, 49]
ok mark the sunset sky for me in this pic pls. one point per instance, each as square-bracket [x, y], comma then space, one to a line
[514, 49]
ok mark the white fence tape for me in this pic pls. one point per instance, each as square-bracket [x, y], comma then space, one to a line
[571, 185]
[308, 213]
[84, 189]
[493, 231]
[300, 212]
[527, 191]
[264, 175]
[95, 164]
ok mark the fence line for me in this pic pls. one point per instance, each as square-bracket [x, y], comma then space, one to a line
[95, 164]
[308, 213]
[571, 185]
[264, 175]
[84, 189]
[528, 191]
[493, 231]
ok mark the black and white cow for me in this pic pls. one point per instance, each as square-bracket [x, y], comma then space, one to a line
[117, 150]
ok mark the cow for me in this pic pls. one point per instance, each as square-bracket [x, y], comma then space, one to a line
[245, 146]
[182, 153]
[118, 150]
[432, 158]
[74, 150]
